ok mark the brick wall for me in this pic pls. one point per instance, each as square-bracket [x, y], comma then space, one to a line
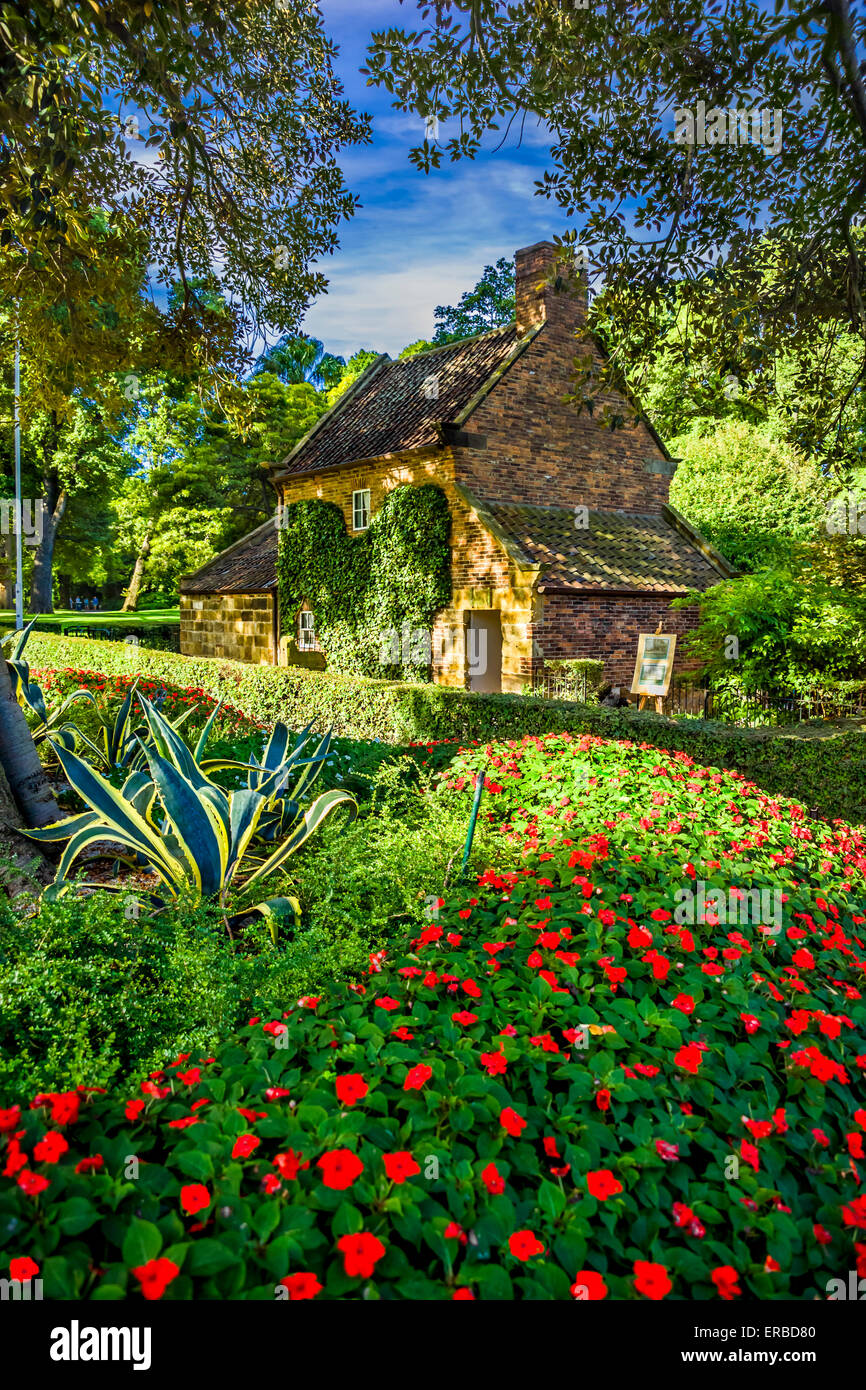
[239, 627]
[539, 449]
[607, 627]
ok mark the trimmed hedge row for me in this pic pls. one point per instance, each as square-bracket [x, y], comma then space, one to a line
[826, 769]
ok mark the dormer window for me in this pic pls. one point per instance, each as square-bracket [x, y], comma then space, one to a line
[306, 631]
[361, 509]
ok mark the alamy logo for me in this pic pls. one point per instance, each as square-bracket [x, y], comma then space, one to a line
[720, 127]
[75, 1343]
[24, 517]
[19, 1290]
[846, 516]
[855, 1289]
[739, 907]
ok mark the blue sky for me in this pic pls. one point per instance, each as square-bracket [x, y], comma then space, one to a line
[420, 239]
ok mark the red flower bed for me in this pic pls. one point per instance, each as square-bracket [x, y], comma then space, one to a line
[556, 1090]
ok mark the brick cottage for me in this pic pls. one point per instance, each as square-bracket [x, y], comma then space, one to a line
[563, 541]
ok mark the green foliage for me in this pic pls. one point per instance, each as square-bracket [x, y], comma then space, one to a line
[360, 588]
[573, 1080]
[99, 986]
[489, 305]
[189, 116]
[755, 498]
[826, 768]
[297, 358]
[197, 838]
[186, 454]
[790, 629]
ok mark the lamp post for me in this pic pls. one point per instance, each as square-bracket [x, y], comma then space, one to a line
[19, 505]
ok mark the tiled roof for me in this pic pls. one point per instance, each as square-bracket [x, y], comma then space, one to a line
[247, 567]
[399, 404]
[616, 550]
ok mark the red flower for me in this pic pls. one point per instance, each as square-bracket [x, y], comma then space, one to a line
[684, 1002]
[387, 1003]
[453, 1231]
[50, 1149]
[351, 1088]
[400, 1166]
[464, 1018]
[90, 1165]
[669, 1152]
[494, 1063]
[301, 1286]
[244, 1145]
[651, 1280]
[155, 1276]
[602, 1184]
[689, 1058]
[32, 1183]
[133, 1109]
[360, 1254]
[462, 1296]
[9, 1118]
[725, 1279]
[289, 1164]
[493, 1179]
[602, 1099]
[417, 1077]
[511, 1122]
[194, 1198]
[524, 1245]
[340, 1168]
[64, 1107]
[23, 1269]
[854, 1214]
[588, 1286]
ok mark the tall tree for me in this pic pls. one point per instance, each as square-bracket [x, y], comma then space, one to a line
[203, 136]
[297, 358]
[489, 305]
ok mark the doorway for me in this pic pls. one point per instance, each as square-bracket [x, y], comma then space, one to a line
[484, 650]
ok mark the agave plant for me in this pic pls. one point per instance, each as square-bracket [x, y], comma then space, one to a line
[273, 775]
[175, 821]
[119, 745]
[30, 695]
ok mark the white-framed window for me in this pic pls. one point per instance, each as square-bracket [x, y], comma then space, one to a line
[361, 509]
[306, 631]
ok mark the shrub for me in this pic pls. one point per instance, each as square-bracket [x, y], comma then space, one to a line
[824, 768]
[87, 992]
[555, 1090]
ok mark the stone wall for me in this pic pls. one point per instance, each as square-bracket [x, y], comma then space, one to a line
[482, 576]
[237, 626]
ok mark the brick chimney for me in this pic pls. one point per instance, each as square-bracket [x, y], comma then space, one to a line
[543, 290]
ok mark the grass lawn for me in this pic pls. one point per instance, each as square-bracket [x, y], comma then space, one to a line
[68, 618]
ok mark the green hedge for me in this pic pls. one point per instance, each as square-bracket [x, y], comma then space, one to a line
[824, 768]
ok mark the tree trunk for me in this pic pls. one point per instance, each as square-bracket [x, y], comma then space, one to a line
[20, 760]
[131, 601]
[24, 867]
[7, 571]
[64, 590]
[43, 559]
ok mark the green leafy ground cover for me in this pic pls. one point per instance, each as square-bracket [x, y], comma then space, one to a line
[547, 1086]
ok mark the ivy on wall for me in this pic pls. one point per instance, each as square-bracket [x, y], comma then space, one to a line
[371, 594]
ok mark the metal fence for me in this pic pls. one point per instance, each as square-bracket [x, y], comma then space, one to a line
[752, 709]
